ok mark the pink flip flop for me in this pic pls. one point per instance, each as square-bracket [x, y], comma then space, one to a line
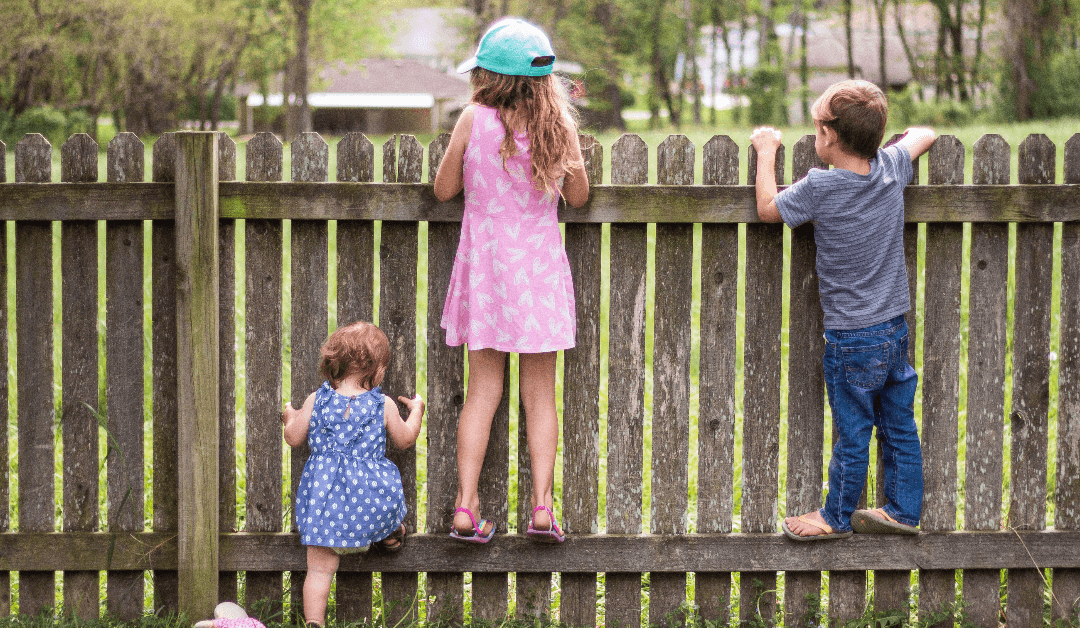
[552, 535]
[477, 535]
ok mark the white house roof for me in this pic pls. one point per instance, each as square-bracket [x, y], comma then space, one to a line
[354, 100]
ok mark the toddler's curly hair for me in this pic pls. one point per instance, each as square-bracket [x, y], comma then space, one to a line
[357, 349]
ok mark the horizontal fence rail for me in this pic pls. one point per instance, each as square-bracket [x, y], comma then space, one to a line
[696, 368]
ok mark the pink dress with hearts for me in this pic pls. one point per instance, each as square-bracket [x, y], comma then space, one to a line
[510, 288]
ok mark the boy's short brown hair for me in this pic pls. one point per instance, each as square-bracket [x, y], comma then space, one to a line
[857, 111]
[357, 349]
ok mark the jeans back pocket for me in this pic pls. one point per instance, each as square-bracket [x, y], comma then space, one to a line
[866, 367]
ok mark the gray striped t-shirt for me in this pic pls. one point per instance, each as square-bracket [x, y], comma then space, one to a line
[859, 230]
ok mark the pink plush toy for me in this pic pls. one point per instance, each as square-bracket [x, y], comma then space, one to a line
[229, 615]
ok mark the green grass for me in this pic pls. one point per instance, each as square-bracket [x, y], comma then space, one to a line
[1059, 132]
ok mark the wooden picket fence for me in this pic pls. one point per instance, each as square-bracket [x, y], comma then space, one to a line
[194, 204]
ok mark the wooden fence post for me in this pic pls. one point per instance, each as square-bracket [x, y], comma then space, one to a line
[197, 369]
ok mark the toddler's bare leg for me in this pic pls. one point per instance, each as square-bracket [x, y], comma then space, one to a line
[474, 427]
[542, 425]
[322, 562]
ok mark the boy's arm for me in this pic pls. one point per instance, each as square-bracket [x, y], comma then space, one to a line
[917, 140]
[297, 421]
[767, 141]
[403, 433]
[450, 179]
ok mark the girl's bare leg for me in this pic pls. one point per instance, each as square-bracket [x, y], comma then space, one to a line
[542, 425]
[322, 562]
[474, 427]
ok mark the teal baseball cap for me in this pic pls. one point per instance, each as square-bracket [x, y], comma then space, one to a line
[515, 47]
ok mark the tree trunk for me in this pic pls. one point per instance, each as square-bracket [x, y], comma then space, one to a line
[660, 81]
[804, 64]
[976, 78]
[298, 113]
[957, 33]
[849, 40]
[691, 59]
[1019, 15]
[913, 62]
[880, 6]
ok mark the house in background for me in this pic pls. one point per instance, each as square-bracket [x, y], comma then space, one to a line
[413, 90]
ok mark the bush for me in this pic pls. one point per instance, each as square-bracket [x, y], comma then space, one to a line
[767, 93]
[906, 109]
[54, 124]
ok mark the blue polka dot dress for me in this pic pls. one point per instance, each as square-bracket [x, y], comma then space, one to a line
[350, 494]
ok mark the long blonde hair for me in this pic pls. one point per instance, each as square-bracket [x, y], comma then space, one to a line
[542, 102]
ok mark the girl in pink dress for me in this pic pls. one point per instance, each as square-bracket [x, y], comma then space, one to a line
[514, 151]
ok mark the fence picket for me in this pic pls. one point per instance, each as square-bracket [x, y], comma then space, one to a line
[626, 380]
[397, 318]
[445, 397]
[263, 246]
[988, 308]
[78, 420]
[227, 343]
[5, 497]
[806, 387]
[1066, 600]
[355, 282]
[34, 372]
[310, 262]
[761, 403]
[941, 374]
[716, 387]
[671, 376]
[1031, 377]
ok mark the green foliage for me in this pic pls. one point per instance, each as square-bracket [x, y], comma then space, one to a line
[54, 124]
[767, 92]
[906, 109]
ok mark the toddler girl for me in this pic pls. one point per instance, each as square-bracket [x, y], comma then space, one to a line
[515, 151]
[350, 494]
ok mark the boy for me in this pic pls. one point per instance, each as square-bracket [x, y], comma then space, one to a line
[858, 213]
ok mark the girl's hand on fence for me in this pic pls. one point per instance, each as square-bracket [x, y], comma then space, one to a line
[765, 139]
[296, 421]
[415, 405]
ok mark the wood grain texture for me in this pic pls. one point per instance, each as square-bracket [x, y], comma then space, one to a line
[397, 319]
[5, 497]
[227, 343]
[533, 590]
[1031, 381]
[716, 392]
[612, 553]
[988, 309]
[941, 372]
[1066, 603]
[355, 301]
[79, 397]
[806, 386]
[263, 322]
[309, 267]
[197, 368]
[445, 398]
[671, 376]
[761, 404]
[581, 404]
[626, 380]
[34, 373]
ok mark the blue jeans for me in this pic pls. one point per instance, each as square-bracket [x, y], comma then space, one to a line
[870, 384]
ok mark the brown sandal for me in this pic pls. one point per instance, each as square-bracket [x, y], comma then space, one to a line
[394, 542]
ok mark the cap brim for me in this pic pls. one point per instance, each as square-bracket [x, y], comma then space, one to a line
[467, 66]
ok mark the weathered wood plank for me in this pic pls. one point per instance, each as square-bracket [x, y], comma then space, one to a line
[78, 420]
[490, 590]
[533, 589]
[581, 404]
[5, 523]
[716, 393]
[761, 404]
[397, 319]
[227, 343]
[608, 203]
[124, 400]
[988, 308]
[355, 301]
[613, 553]
[445, 398]
[163, 332]
[34, 372]
[197, 368]
[1066, 604]
[1031, 382]
[626, 380]
[310, 263]
[671, 376]
[806, 386]
[941, 373]
[263, 321]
